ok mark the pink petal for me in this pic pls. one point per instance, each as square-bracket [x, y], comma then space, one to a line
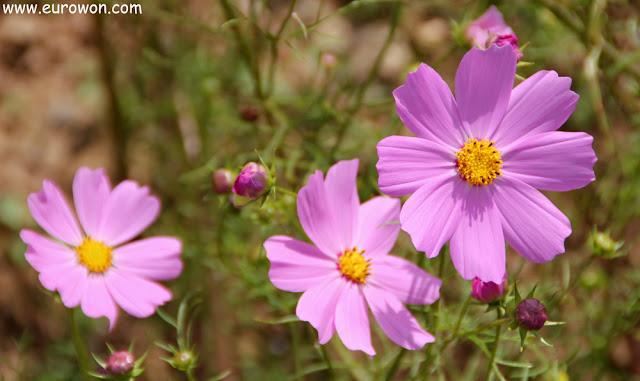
[318, 306]
[407, 163]
[128, 211]
[477, 246]
[532, 225]
[296, 266]
[90, 192]
[483, 85]
[395, 320]
[156, 258]
[342, 193]
[97, 301]
[43, 252]
[408, 282]
[542, 103]
[426, 106]
[352, 320]
[432, 214]
[557, 160]
[373, 235]
[138, 296]
[328, 211]
[51, 211]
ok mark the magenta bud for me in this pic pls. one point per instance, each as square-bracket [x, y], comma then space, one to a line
[120, 362]
[510, 40]
[487, 292]
[252, 181]
[531, 314]
[221, 181]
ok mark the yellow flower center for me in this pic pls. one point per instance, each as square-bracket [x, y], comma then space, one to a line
[353, 265]
[479, 162]
[94, 254]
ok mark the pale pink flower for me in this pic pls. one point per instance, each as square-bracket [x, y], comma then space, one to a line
[93, 265]
[348, 267]
[490, 28]
[477, 160]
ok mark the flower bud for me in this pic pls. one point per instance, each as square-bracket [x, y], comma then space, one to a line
[221, 181]
[603, 245]
[252, 181]
[531, 314]
[329, 60]
[120, 362]
[489, 29]
[510, 40]
[487, 292]
[184, 360]
[249, 113]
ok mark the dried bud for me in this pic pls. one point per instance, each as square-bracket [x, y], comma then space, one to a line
[222, 181]
[329, 60]
[120, 362]
[487, 292]
[249, 113]
[531, 314]
[252, 181]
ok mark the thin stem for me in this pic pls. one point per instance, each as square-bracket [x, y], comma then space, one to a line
[396, 363]
[495, 346]
[190, 375]
[81, 351]
[456, 329]
[435, 307]
[274, 48]
[287, 192]
[295, 343]
[357, 104]
[327, 359]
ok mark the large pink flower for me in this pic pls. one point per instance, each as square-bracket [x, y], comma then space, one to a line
[477, 160]
[348, 267]
[94, 266]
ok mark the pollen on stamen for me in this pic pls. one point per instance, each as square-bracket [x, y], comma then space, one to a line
[479, 162]
[95, 255]
[354, 266]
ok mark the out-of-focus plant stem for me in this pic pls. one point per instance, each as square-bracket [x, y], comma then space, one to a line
[275, 41]
[435, 309]
[81, 351]
[359, 97]
[496, 342]
[295, 343]
[245, 50]
[116, 120]
[327, 360]
[396, 363]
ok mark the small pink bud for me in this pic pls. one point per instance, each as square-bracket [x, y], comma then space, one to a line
[252, 181]
[487, 292]
[531, 314]
[329, 60]
[511, 40]
[221, 181]
[120, 362]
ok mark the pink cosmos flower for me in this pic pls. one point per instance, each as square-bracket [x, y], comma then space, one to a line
[94, 266]
[490, 28]
[477, 160]
[348, 267]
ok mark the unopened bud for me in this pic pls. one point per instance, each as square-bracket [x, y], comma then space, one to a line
[120, 362]
[487, 292]
[249, 113]
[184, 360]
[252, 181]
[222, 181]
[329, 60]
[531, 314]
[603, 245]
[510, 40]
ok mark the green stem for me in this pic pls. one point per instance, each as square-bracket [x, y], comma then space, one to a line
[286, 191]
[327, 359]
[435, 307]
[456, 329]
[357, 104]
[190, 375]
[396, 363]
[81, 351]
[495, 346]
[295, 343]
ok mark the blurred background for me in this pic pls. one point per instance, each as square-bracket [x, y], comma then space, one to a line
[168, 96]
